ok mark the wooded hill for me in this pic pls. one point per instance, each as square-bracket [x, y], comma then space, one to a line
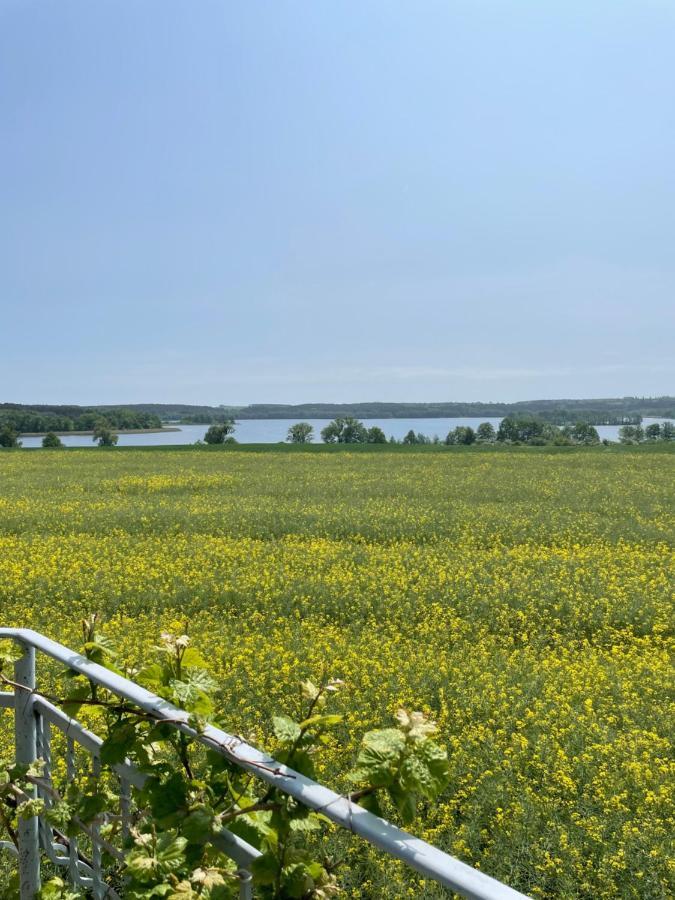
[605, 411]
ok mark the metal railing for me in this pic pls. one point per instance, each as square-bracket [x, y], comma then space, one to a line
[35, 718]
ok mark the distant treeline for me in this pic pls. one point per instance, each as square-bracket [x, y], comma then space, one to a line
[41, 419]
[610, 411]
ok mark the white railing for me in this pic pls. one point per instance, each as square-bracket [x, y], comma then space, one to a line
[35, 717]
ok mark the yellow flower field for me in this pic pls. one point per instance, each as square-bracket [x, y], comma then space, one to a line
[522, 598]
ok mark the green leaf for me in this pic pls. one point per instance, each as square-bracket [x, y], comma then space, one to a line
[36, 769]
[10, 652]
[306, 823]
[371, 802]
[152, 676]
[162, 731]
[321, 721]
[265, 868]
[193, 658]
[425, 771]
[299, 760]
[379, 757]
[285, 730]
[90, 806]
[405, 802]
[73, 700]
[141, 866]
[296, 881]
[254, 830]
[56, 889]
[198, 825]
[191, 697]
[59, 815]
[30, 808]
[167, 799]
[170, 852]
[116, 746]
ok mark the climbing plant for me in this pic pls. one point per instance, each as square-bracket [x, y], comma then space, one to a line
[191, 792]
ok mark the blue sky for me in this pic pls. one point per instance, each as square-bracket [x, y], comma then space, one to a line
[292, 201]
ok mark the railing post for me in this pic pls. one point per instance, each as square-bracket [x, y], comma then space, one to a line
[25, 735]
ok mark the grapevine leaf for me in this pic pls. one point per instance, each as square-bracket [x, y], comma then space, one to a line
[286, 730]
[321, 721]
[117, 745]
[379, 757]
[265, 868]
[170, 852]
[426, 770]
[198, 825]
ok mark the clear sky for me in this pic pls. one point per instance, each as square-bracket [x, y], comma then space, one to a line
[234, 202]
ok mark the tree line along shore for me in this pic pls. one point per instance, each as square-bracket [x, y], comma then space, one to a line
[41, 418]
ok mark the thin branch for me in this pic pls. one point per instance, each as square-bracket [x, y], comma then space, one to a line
[256, 807]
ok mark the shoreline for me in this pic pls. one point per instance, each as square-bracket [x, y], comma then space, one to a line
[116, 430]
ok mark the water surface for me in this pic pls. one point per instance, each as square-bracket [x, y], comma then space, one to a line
[271, 431]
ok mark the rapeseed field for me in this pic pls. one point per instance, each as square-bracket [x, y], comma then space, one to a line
[522, 598]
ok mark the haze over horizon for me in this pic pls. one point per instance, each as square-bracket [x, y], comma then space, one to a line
[317, 203]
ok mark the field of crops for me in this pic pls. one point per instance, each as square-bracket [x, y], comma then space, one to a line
[520, 597]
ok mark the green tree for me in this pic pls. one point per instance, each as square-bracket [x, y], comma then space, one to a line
[653, 431]
[300, 433]
[376, 436]
[485, 433]
[410, 438]
[51, 440]
[9, 437]
[631, 434]
[217, 432]
[524, 430]
[104, 434]
[345, 430]
[583, 433]
[464, 434]
[668, 431]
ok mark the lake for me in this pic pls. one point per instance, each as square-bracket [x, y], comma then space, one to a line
[271, 431]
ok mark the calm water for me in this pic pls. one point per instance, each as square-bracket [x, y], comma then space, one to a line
[271, 431]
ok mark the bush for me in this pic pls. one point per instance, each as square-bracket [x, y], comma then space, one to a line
[217, 433]
[345, 431]
[300, 433]
[104, 434]
[9, 437]
[376, 436]
[51, 440]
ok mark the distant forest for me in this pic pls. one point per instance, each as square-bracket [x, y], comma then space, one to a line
[41, 419]
[607, 411]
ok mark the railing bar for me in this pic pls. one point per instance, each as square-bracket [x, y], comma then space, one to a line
[28, 833]
[7, 699]
[125, 806]
[95, 836]
[235, 847]
[88, 740]
[73, 869]
[8, 845]
[245, 885]
[43, 752]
